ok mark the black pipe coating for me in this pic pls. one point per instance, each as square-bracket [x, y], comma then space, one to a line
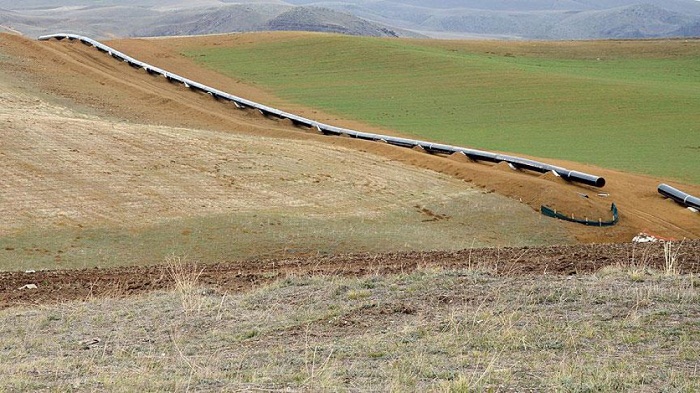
[679, 196]
[434, 148]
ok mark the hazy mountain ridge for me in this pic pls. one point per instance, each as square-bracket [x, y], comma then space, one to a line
[211, 20]
[321, 19]
[640, 21]
[535, 19]
[114, 20]
[683, 6]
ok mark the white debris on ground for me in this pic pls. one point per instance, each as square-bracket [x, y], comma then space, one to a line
[87, 344]
[645, 238]
[29, 286]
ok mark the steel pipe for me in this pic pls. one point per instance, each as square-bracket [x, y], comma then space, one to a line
[679, 196]
[434, 148]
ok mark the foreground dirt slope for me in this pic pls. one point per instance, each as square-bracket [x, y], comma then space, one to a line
[62, 168]
[642, 209]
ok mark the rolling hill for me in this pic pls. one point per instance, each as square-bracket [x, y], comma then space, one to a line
[105, 165]
[128, 19]
[155, 102]
[500, 19]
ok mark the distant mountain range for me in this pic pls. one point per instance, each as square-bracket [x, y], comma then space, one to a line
[169, 18]
[531, 19]
[513, 19]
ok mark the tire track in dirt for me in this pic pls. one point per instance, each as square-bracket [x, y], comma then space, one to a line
[654, 221]
[56, 286]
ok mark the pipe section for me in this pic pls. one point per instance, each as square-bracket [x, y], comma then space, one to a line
[679, 196]
[434, 148]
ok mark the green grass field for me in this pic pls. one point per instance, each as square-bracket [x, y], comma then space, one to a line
[634, 110]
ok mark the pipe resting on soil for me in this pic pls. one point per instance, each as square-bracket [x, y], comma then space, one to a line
[679, 196]
[434, 148]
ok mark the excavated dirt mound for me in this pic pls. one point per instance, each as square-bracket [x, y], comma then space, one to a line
[60, 286]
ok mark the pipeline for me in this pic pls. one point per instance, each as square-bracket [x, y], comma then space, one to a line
[433, 148]
[679, 196]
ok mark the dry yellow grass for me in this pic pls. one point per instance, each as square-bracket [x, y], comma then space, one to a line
[79, 191]
[431, 330]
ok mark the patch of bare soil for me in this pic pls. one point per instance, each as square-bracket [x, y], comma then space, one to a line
[66, 285]
[64, 169]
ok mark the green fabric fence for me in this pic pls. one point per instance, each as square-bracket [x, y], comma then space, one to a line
[600, 223]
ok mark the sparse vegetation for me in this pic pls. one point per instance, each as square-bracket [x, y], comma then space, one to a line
[671, 250]
[431, 330]
[185, 276]
[274, 235]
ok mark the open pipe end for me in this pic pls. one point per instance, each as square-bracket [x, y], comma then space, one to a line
[579, 177]
[595, 181]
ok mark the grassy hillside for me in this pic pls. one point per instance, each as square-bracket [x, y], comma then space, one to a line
[629, 106]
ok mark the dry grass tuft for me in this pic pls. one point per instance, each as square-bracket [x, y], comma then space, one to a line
[185, 277]
[671, 258]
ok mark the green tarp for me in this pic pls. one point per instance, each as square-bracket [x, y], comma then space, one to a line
[599, 223]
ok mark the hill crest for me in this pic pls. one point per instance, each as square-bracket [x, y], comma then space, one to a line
[570, 19]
